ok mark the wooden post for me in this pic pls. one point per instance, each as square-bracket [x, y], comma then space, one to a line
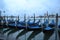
[11, 17]
[24, 17]
[18, 18]
[28, 18]
[56, 28]
[0, 12]
[34, 18]
[48, 17]
[4, 18]
[7, 21]
[44, 17]
[25, 24]
[0, 17]
[7, 17]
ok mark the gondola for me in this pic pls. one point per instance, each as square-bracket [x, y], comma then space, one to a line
[35, 26]
[52, 24]
[21, 25]
[33, 23]
[47, 30]
[47, 27]
[3, 23]
[11, 24]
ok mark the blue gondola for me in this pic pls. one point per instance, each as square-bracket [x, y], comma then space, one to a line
[48, 32]
[11, 23]
[47, 27]
[21, 22]
[21, 25]
[52, 24]
[46, 22]
[35, 26]
[33, 23]
[3, 23]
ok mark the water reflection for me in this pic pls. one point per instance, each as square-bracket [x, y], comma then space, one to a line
[33, 34]
[59, 35]
[47, 34]
[21, 33]
[12, 31]
[7, 30]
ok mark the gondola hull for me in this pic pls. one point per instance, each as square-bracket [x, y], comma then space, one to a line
[37, 27]
[47, 30]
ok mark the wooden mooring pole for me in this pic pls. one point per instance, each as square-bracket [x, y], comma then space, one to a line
[25, 24]
[34, 18]
[56, 28]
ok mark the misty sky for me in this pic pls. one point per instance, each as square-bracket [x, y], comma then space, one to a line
[29, 7]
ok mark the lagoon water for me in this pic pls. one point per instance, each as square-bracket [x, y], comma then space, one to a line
[39, 36]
